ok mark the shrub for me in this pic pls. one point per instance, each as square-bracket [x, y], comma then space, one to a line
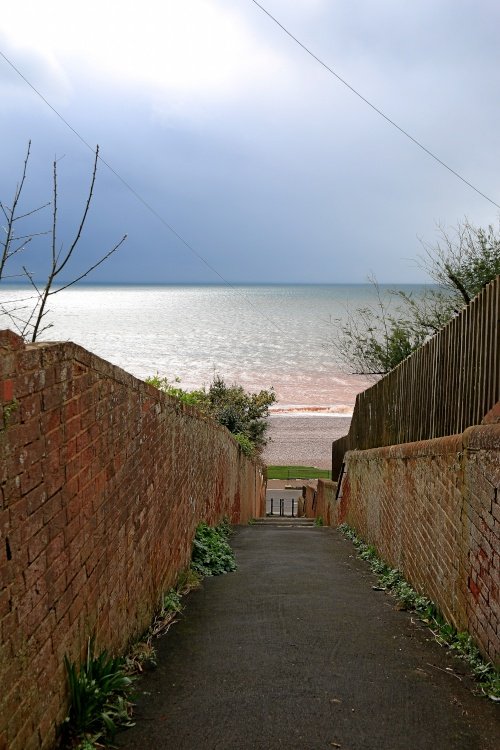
[244, 414]
[212, 554]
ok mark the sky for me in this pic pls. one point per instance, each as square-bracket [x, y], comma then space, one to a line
[258, 158]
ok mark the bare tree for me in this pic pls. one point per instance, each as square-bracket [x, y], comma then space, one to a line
[374, 339]
[463, 260]
[27, 313]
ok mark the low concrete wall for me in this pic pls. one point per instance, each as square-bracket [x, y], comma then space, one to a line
[103, 481]
[432, 509]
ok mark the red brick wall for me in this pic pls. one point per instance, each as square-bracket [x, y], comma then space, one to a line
[309, 501]
[103, 481]
[432, 509]
[325, 496]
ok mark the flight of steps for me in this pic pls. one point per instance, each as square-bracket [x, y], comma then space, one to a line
[284, 522]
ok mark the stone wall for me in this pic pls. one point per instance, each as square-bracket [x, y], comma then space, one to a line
[103, 481]
[432, 509]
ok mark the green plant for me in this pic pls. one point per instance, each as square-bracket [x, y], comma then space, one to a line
[172, 601]
[318, 521]
[168, 612]
[245, 444]
[212, 554]
[192, 398]
[188, 580]
[460, 643]
[244, 414]
[99, 697]
[87, 744]
[374, 339]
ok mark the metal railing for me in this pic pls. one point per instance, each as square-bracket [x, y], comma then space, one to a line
[282, 513]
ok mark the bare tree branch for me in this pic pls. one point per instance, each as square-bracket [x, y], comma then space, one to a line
[28, 319]
[464, 259]
[84, 216]
[30, 213]
[105, 257]
[10, 219]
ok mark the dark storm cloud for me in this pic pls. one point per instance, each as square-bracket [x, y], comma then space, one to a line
[285, 176]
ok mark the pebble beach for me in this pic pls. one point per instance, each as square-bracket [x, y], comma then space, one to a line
[303, 440]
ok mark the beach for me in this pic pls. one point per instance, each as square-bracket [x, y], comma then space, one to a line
[303, 440]
[257, 336]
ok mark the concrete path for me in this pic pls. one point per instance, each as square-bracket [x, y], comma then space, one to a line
[296, 650]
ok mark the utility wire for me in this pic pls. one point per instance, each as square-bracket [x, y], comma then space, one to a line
[370, 104]
[143, 201]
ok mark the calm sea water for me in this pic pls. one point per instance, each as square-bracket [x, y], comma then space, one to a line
[259, 336]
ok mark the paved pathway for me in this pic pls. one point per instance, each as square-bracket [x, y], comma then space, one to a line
[296, 650]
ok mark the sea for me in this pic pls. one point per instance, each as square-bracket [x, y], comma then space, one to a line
[259, 336]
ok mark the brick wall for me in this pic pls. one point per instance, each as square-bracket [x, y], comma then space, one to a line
[432, 509]
[318, 500]
[103, 481]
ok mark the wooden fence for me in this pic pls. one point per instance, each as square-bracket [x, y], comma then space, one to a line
[445, 386]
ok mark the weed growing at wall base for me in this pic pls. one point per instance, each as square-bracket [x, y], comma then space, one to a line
[212, 554]
[143, 651]
[100, 688]
[461, 644]
[99, 699]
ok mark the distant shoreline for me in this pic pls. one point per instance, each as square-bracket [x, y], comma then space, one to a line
[236, 284]
[312, 410]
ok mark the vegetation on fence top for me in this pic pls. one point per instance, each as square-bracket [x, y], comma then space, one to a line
[460, 644]
[374, 339]
[297, 472]
[438, 391]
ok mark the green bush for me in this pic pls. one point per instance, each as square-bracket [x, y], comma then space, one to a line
[245, 444]
[212, 554]
[244, 414]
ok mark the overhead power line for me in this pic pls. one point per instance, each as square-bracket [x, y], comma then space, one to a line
[142, 200]
[370, 104]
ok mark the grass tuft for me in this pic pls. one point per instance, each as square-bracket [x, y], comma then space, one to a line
[297, 472]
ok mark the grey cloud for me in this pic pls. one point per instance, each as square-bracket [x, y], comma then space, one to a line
[297, 180]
